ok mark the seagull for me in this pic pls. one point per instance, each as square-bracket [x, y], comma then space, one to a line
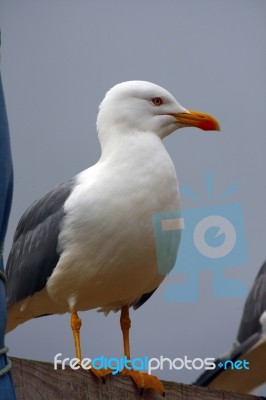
[250, 345]
[254, 309]
[89, 242]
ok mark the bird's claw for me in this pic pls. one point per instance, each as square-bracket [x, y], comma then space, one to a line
[145, 381]
[101, 373]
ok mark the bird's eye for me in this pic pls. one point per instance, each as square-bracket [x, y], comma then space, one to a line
[157, 101]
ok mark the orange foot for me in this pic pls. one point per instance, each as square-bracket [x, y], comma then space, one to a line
[145, 381]
[101, 373]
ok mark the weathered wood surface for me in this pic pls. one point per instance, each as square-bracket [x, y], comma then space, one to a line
[35, 380]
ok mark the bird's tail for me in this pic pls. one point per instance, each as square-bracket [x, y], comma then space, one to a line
[38, 305]
[15, 316]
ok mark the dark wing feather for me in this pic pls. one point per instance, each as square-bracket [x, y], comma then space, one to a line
[34, 252]
[254, 307]
[138, 303]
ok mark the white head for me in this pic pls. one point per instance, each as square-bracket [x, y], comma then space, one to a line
[139, 106]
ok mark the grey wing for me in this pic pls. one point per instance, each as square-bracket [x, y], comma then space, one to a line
[254, 307]
[34, 252]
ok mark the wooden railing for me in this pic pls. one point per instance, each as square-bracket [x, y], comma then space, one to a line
[35, 380]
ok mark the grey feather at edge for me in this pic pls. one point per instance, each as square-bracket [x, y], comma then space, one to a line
[34, 252]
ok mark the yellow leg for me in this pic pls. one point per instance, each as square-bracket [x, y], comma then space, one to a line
[75, 326]
[125, 324]
[141, 379]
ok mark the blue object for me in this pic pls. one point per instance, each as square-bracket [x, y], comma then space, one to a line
[6, 188]
[213, 238]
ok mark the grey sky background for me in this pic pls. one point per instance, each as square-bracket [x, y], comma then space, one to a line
[58, 59]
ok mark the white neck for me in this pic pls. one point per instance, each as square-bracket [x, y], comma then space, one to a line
[130, 146]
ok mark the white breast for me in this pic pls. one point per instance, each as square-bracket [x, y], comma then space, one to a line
[108, 250]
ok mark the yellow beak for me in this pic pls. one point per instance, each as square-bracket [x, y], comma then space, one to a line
[198, 119]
